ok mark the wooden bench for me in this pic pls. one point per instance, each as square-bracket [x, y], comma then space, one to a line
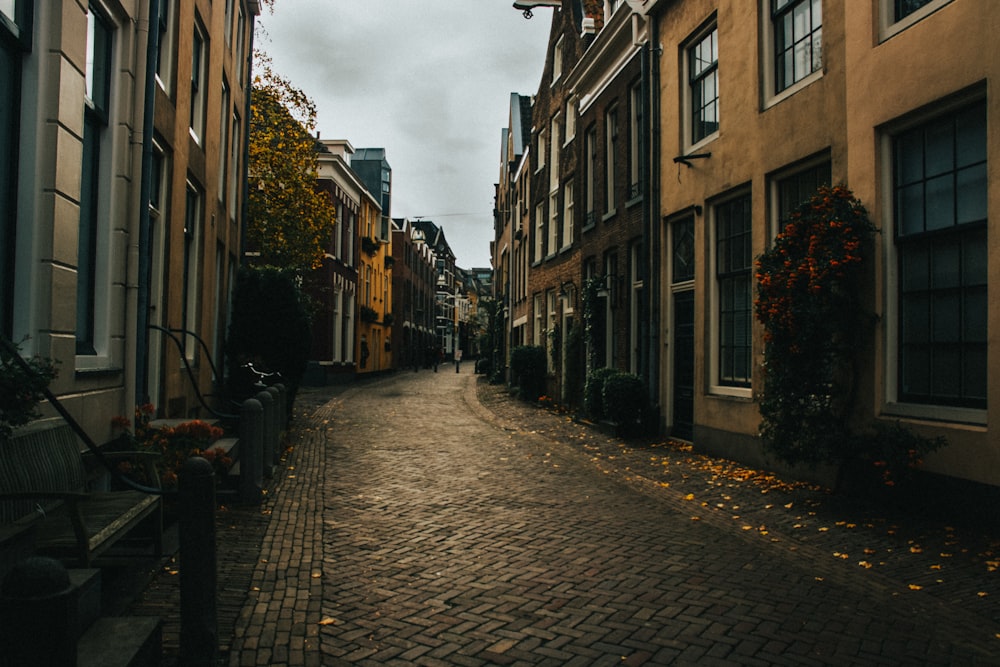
[47, 496]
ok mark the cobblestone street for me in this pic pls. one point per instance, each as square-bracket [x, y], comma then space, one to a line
[429, 519]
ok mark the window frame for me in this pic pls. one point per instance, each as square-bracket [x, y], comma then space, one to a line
[772, 32]
[97, 148]
[166, 23]
[199, 83]
[889, 25]
[567, 221]
[895, 401]
[743, 386]
[610, 160]
[690, 100]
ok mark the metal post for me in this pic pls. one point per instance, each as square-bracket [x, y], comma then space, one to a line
[251, 451]
[269, 448]
[276, 424]
[38, 620]
[199, 645]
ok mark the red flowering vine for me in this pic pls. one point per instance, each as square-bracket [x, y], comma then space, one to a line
[808, 299]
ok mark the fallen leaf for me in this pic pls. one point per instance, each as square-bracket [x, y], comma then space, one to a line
[915, 587]
[327, 621]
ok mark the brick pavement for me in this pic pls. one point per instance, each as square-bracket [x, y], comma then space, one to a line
[428, 519]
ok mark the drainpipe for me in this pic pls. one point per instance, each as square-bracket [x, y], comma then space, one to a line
[145, 188]
[254, 10]
[651, 84]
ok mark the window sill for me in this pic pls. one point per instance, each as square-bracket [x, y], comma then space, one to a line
[565, 249]
[805, 82]
[633, 201]
[609, 215]
[743, 394]
[589, 227]
[936, 413]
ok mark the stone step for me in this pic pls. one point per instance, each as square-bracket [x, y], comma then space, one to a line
[132, 641]
[86, 585]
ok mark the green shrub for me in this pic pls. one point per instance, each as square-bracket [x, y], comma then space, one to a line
[527, 365]
[624, 400]
[593, 392]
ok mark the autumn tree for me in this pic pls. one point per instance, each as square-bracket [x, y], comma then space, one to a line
[289, 221]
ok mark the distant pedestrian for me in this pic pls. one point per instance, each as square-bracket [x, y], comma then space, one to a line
[458, 359]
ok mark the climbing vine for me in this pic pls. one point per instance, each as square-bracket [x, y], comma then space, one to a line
[808, 299]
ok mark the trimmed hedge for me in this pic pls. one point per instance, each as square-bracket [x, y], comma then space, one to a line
[593, 392]
[527, 366]
[618, 397]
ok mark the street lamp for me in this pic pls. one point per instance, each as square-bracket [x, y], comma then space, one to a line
[525, 6]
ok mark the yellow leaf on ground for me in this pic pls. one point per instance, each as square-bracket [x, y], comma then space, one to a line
[915, 587]
[689, 496]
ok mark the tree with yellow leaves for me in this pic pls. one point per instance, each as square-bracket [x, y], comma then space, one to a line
[289, 222]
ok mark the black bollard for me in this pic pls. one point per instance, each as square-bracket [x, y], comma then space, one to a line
[270, 449]
[199, 646]
[251, 451]
[38, 619]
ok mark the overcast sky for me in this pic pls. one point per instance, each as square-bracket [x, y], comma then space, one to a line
[428, 80]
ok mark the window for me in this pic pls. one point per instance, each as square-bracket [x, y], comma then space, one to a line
[703, 76]
[557, 60]
[792, 188]
[199, 56]
[570, 120]
[940, 205]
[228, 29]
[590, 176]
[539, 232]
[610, 331]
[553, 223]
[898, 15]
[223, 140]
[636, 261]
[683, 250]
[550, 343]
[610, 148]
[165, 44]
[635, 141]
[240, 55]
[554, 146]
[903, 8]
[96, 109]
[567, 221]
[193, 212]
[798, 40]
[542, 143]
[733, 264]
[14, 43]
[235, 142]
[539, 331]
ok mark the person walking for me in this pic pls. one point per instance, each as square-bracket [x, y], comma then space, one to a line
[458, 358]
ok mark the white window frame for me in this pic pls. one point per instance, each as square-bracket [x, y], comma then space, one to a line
[769, 55]
[891, 403]
[554, 225]
[554, 146]
[571, 106]
[224, 140]
[687, 96]
[635, 140]
[557, 60]
[888, 26]
[105, 293]
[567, 221]
[610, 160]
[539, 232]
[715, 386]
[542, 143]
[199, 83]
[167, 46]
[635, 301]
[539, 313]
